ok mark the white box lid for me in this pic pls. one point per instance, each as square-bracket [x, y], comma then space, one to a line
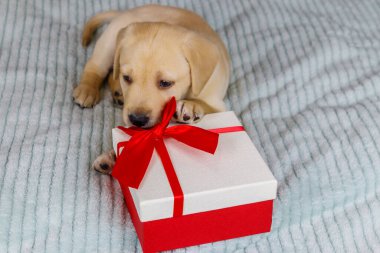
[235, 175]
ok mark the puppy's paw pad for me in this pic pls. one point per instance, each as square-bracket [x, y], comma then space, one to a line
[188, 112]
[104, 163]
[86, 96]
[116, 91]
[118, 99]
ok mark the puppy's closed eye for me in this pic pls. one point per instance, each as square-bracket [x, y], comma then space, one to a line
[165, 84]
[128, 79]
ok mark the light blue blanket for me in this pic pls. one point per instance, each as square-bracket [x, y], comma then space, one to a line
[305, 83]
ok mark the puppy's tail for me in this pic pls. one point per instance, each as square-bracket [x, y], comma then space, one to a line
[94, 23]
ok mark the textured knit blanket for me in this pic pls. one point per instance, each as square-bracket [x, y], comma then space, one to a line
[305, 83]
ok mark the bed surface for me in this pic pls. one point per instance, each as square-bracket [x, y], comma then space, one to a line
[305, 83]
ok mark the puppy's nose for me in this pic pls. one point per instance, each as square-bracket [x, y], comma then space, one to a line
[138, 120]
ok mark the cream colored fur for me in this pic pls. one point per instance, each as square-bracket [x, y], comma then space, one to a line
[156, 43]
[146, 46]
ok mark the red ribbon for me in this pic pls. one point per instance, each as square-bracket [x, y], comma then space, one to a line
[133, 161]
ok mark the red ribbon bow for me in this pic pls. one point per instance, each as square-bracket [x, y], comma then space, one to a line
[132, 163]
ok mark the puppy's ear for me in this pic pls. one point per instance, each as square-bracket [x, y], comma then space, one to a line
[116, 62]
[203, 57]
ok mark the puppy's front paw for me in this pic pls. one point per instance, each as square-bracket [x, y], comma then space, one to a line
[105, 162]
[86, 96]
[117, 93]
[188, 112]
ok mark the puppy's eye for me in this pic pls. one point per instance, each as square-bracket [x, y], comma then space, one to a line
[165, 84]
[127, 78]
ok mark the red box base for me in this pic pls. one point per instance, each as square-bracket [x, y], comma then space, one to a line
[200, 228]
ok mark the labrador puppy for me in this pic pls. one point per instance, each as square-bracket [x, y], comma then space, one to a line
[153, 53]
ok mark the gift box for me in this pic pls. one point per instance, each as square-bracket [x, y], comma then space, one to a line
[188, 185]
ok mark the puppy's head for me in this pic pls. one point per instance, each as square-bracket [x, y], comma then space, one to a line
[156, 61]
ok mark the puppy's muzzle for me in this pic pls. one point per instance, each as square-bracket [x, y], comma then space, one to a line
[138, 120]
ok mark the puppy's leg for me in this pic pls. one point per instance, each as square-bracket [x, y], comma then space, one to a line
[105, 162]
[87, 93]
[190, 111]
[117, 93]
